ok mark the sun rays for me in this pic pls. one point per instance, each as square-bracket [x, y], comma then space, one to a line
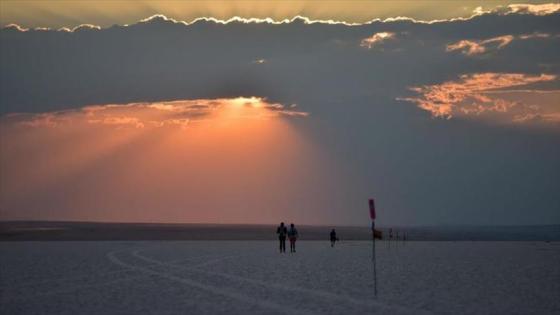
[164, 161]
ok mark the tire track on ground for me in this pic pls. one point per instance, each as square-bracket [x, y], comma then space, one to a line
[58, 281]
[112, 256]
[381, 307]
[20, 293]
[70, 289]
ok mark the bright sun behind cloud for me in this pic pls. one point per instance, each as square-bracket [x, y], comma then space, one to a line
[162, 161]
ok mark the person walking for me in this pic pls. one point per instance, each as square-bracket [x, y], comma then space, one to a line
[333, 237]
[292, 235]
[282, 231]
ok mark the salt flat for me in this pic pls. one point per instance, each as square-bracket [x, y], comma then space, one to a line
[239, 277]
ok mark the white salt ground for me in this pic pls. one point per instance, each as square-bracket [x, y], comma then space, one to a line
[240, 277]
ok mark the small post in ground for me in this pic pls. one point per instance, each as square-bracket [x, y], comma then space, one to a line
[372, 216]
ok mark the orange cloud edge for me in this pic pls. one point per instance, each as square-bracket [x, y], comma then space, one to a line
[478, 95]
[158, 113]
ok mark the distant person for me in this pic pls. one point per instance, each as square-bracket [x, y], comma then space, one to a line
[333, 237]
[282, 231]
[292, 235]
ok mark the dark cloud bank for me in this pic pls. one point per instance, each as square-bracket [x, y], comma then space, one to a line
[423, 170]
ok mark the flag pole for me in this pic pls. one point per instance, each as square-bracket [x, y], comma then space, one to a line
[373, 258]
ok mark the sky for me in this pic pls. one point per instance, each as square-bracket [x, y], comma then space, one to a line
[447, 113]
[65, 13]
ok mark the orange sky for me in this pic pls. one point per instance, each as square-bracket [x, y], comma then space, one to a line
[226, 161]
[61, 13]
[454, 122]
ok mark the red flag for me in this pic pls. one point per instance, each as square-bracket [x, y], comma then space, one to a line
[372, 209]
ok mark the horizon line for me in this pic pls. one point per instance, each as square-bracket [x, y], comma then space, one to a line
[266, 224]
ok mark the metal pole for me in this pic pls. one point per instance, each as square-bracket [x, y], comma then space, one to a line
[373, 258]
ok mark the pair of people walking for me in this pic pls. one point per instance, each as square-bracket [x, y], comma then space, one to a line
[292, 235]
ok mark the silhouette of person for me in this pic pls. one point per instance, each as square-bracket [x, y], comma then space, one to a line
[333, 237]
[282, 231]
[292, 235]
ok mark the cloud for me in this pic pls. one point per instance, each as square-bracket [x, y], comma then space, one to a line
[118, 121]
[186, 61]
[180, 113]
[470, 47]
[537, 35]
[41, 13]
[538, 118]
[40, 120]
[530, 9]
[483, 95]
[533, 9]
[187, 19]
[183, 123]
[376, 39]
[53, 76]
[16, 27]
[536, 9]
[477, 47]
[81, 27]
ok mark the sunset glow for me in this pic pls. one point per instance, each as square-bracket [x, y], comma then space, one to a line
[162, 161]
[263, 111]
[57, 14]
[159, 156]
